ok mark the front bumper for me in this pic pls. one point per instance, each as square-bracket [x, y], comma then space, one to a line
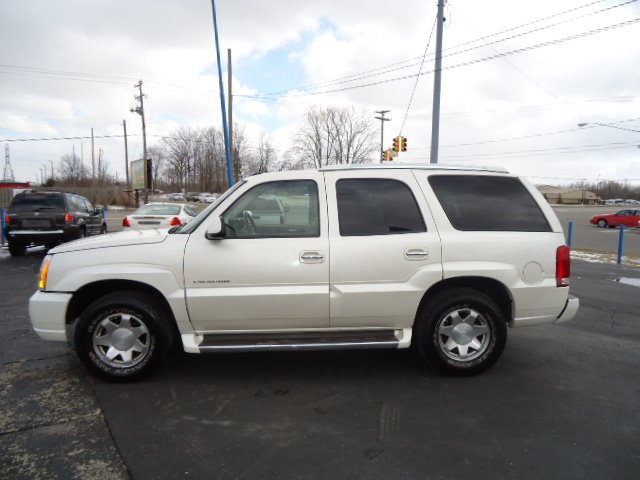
[48, 311]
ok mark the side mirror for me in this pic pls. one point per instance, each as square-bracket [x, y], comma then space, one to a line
[216, 229]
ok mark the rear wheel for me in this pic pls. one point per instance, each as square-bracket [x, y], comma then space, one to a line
[460, 331]
[17, 249]
[123, 336]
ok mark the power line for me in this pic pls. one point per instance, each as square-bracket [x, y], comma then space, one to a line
[370, 73]
[364, 75]
[472, 62]
[62, 138]
[418, 77]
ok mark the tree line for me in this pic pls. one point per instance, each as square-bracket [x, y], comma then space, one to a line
[193, 159]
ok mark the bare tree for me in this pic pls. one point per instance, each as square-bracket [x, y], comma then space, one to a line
[335, 135]
[262, 160]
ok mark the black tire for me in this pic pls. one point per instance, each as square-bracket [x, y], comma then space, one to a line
[602, 223]
[103, 229]
[143, 332]
[17, 249]
[466, 351]
[82, 233]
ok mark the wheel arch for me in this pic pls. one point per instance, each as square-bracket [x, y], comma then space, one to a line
[490, 287]
[87, 294]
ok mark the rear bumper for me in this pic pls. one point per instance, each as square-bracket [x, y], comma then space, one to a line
[48, 312]
[570, 309]
[568, 312]
[59, 235]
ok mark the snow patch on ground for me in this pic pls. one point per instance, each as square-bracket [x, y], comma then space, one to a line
[629, 281]
[595, 257]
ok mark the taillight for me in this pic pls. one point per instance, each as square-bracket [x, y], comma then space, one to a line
[175, 221]
[563, 266]
[7, 219]
[126, 222]
[69, 218]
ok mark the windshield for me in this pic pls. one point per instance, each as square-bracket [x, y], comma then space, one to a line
[34, 202]
[193, 224]
[158, 209]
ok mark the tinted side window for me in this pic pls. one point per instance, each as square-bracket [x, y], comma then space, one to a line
[486, 203]
[374, 206]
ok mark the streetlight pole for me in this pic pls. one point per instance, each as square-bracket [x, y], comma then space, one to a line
[382, 120]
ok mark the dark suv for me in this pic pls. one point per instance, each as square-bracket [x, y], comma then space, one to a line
[50, 218]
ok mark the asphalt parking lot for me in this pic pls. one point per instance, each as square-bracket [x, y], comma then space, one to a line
[561, 403]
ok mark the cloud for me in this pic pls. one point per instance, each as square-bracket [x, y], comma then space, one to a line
[84, 56]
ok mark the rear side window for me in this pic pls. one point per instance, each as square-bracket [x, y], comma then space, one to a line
[375, 206]
[35, 202]
[486, 203]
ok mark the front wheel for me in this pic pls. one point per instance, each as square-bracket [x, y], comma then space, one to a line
[123, 336]
[602, 223]
[460, 331]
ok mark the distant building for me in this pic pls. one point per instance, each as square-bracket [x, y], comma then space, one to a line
[568, 196]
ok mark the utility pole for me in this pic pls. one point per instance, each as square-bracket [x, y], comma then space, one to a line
[126, 152]
[230, 101]
[52, 174]
[437, 74]
[93, 160]
[382, 120]
[140, 111]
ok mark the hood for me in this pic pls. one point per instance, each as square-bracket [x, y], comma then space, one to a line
[119, 239]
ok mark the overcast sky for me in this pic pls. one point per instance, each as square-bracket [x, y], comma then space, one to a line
[512, 95]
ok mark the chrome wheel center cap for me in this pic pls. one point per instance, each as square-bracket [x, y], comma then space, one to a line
[462, 334]
[122, 339]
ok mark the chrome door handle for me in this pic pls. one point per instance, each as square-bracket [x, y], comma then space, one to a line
[415, 254]
[312, 257]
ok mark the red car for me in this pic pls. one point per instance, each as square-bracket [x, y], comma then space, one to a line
[628, 218]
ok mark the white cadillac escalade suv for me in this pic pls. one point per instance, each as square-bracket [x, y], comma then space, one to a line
[442, 259]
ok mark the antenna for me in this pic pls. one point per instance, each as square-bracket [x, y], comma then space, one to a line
[8, 171]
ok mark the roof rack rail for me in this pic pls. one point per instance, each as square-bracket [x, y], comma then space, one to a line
[409, 166]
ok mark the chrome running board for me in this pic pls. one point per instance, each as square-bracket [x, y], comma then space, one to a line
[299, 341]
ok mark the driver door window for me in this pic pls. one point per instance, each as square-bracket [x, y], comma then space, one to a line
[276, 209]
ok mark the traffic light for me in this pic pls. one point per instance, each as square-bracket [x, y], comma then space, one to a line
[396, 144]
[387, 155]
[403, 146]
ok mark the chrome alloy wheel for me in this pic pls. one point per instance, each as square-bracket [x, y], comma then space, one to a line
[463, 334]
[121, 340]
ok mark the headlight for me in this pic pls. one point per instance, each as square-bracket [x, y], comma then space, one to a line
[44, 272]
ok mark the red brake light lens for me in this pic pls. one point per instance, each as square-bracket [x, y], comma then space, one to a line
[7, 219]
[175, 221]
[69, 218]
[126, 222]
[563, 266]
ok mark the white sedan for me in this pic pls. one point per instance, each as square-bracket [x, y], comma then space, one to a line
[159, 215]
